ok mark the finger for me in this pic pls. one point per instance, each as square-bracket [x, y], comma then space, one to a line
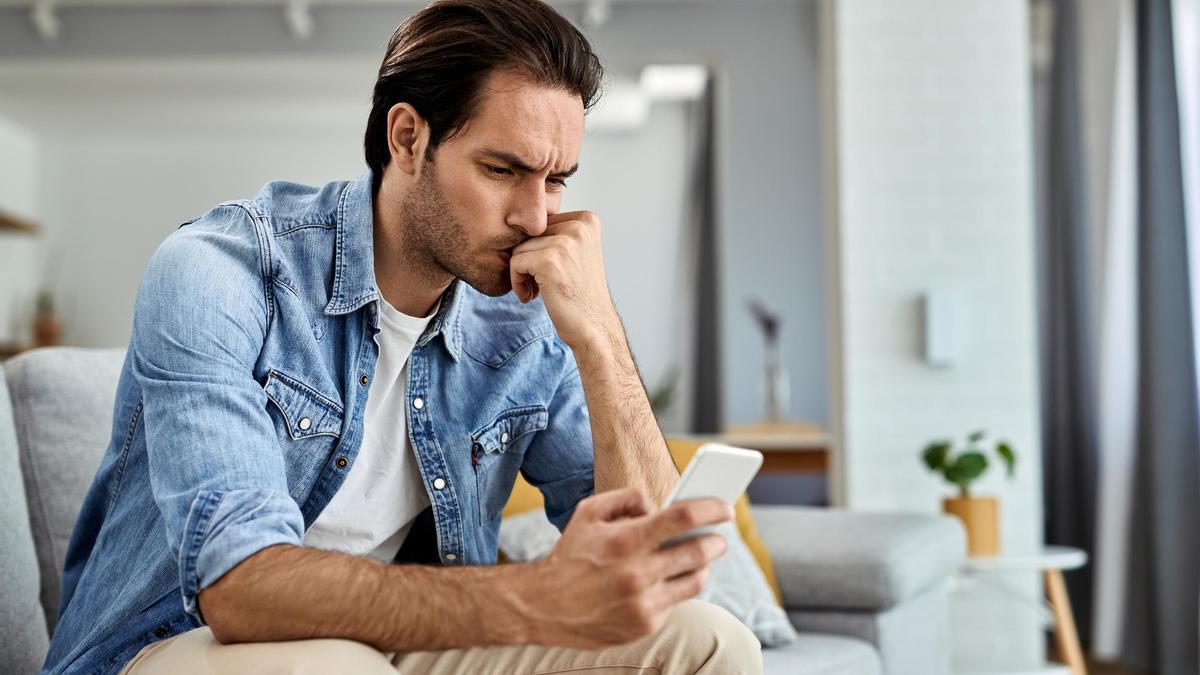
[538, 243]
[683, 587]
[688, 556]
[679, 519]
[614, 505]
[521, 271]
[563, 223]
[567, 216]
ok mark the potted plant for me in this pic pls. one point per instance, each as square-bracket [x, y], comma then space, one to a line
[961, 467]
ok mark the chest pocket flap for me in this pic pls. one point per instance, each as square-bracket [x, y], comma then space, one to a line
[306, 412]
[510, 425]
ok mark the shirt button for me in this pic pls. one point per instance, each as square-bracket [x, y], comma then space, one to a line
[305, 423]
[504, 437]
[451, 557]
[363, 380]
[439, 483]
[418, 403]
[341, 462]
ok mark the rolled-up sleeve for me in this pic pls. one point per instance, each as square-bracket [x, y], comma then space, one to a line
[217, 470]
[559, 461]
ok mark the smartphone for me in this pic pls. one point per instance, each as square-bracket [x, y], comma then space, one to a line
[719, 471]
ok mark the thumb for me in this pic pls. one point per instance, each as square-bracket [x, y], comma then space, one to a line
[520, 272]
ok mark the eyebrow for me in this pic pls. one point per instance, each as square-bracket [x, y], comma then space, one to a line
[520, 164]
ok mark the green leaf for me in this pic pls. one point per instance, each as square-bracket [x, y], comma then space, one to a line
[1010, 458]
[936, 454]
[976, 436]
[968, 467]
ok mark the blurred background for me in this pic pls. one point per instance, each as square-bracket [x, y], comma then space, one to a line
[841, 231]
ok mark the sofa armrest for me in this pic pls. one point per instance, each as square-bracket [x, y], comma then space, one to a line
[843, 560]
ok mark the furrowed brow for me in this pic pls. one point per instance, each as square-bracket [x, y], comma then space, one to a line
[521, 165]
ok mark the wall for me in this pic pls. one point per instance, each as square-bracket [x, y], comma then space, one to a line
[130, 190]
[19, 252]
[930, 187]
[768, 167]
[764, 53]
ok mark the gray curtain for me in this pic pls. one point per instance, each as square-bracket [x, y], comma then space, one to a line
[1161, 627]
[1070, 452]
[706, 382]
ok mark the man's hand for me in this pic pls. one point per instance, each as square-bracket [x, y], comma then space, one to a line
[566, 266]
[608, 580]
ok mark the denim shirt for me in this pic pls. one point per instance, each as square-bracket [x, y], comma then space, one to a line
[239, 412]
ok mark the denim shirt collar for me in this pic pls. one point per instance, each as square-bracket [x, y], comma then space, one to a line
[354, 272]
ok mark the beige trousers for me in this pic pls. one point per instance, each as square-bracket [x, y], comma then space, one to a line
[698, 638]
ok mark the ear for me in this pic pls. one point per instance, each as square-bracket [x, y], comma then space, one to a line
[408, 135]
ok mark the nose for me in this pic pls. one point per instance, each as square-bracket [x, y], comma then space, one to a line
[528, 210]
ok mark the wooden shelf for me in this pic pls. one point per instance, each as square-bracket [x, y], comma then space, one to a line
[13, 223]
[786, 447]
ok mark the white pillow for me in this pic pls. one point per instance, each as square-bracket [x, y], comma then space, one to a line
[735, 582]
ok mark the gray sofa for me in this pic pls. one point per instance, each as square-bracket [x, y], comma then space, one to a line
[868, 591]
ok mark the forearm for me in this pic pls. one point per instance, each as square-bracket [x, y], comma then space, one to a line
[295, 593]
[629, 447]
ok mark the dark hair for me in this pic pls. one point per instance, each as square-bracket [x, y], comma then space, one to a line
[439, 59]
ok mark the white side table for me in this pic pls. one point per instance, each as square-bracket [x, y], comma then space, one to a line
[1051, 562]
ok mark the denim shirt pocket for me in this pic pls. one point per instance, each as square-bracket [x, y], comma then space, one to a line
[496, 452]
[305, 412]
[308, 426]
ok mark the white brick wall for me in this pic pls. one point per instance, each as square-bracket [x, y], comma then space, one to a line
[929, 116]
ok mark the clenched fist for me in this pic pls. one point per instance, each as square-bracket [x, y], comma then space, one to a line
[566, 266]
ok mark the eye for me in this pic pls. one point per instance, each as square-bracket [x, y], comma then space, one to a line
[556, 184]
[498, 170]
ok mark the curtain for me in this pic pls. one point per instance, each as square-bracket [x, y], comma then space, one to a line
[1070, 454]
[1163, 577]
[1123, 442]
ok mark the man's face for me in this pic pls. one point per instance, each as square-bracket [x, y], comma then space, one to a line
[491, 186]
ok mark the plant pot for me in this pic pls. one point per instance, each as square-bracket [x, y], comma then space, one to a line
[981, 518]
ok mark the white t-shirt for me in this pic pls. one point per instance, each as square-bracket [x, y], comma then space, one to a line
[375, 507]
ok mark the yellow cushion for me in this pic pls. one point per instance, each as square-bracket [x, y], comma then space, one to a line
[525, 497]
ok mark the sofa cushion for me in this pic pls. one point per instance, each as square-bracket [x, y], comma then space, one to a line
[831, 558]
[816, 654]
[58, 395]
[23, 636]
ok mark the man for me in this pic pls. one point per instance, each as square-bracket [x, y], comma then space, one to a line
[322, 383]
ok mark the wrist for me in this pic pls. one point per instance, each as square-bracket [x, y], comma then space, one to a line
[601, 347]
[510, 613]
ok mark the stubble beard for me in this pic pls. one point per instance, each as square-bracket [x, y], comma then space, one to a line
[438, 242]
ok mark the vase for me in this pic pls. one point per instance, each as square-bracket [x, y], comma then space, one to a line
[777, 387]
[981, 518]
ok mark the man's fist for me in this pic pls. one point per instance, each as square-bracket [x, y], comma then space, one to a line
[566, 266]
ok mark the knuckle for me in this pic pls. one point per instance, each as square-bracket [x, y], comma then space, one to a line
[629, 582]
[619, 545]
[686, 519]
